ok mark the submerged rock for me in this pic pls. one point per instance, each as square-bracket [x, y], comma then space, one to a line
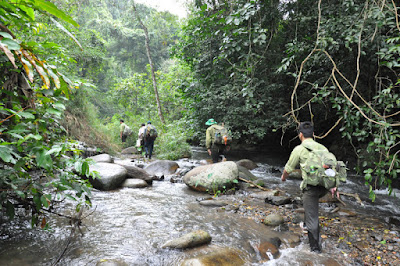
[129, 150]
[213, 203]
[220, 256]
[246, 174]
[269, 249]
[190, 240]
[212, 178]
[111, 176]
[111, 262]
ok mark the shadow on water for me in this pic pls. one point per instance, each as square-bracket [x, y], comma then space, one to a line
[131, 225]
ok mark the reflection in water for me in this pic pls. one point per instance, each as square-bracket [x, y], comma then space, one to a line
[131, 224]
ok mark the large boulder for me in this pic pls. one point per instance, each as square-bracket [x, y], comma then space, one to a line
[190, 240]
[217, 256]
[111, 176]
[162, 167]
[211, 178]
[248, 164]
[102, 158]
[134, 171]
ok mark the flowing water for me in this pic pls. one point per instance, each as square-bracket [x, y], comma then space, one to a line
[131, 225]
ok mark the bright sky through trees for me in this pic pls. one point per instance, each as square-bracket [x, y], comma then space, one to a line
[176, 7]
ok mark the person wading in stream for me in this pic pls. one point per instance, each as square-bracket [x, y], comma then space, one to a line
[311, 194]
[217, 139]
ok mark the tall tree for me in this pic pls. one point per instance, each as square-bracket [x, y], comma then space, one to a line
[153, 76]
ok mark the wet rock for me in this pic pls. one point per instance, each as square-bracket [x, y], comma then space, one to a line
[220, 256]
[134, 183]
[331, 262]
[248, 164]
[394, 220]
[264, 194]
[211, 178]
[213, 203]
[297, 218]
[111, 176]
[190, 240]
[290, 238]
[246, 174]
[102, 158]
[349, 213]
[278, 200]
[273, 219]
[268, 250]
[129, 150]
[134, 171]
[111, 262]
[161, 167]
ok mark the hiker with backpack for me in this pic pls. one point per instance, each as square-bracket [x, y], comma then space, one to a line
[124, 130]
[217, 140]
[320, 173]
[150, 135]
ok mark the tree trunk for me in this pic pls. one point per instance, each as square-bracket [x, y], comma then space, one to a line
[147, 41]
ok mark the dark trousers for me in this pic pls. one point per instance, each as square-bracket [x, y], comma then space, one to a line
[216, 151]
[148, 147]
[311, 196]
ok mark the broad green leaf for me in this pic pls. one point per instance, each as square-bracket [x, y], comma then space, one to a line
[66, 31]
[55, 149]
[26, 115]
[45, 199]
[28, 68]
[10, 43]
[6, 154]
[52, 9]
[44, 160]
[54, 112]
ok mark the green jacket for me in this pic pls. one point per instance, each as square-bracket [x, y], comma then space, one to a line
[299, 156]
[210, 135]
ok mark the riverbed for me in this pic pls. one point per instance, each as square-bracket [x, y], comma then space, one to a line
[129, 226]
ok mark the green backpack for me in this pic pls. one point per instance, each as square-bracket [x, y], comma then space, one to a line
[127, 131]
[221, 135]
[151, 132]
[329, 176]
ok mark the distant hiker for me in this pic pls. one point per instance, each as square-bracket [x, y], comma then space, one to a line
[140, 141]
[121, 130]
[217, 140]
[313, 175]
[150, 135]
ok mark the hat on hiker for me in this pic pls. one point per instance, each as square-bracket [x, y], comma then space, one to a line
[210, 122]
[148, 122]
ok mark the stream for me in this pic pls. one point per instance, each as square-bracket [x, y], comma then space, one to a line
[130, 225]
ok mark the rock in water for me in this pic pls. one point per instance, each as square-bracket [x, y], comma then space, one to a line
[162, 167]
[190, 240]
[248, 164]
[220, 256]
[212, 178]
[111, 176]
[134, 183]
[134, 171]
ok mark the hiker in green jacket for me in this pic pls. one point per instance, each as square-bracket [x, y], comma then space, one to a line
[121, 130]
[215, 150]
[311, 194]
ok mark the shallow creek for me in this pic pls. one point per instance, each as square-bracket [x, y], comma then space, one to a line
[130, 225]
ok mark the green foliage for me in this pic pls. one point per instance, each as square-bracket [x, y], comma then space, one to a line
[37, 162]
[172, 141]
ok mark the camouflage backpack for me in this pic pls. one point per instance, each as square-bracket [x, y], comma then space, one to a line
[221, 135]
[323, 169]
